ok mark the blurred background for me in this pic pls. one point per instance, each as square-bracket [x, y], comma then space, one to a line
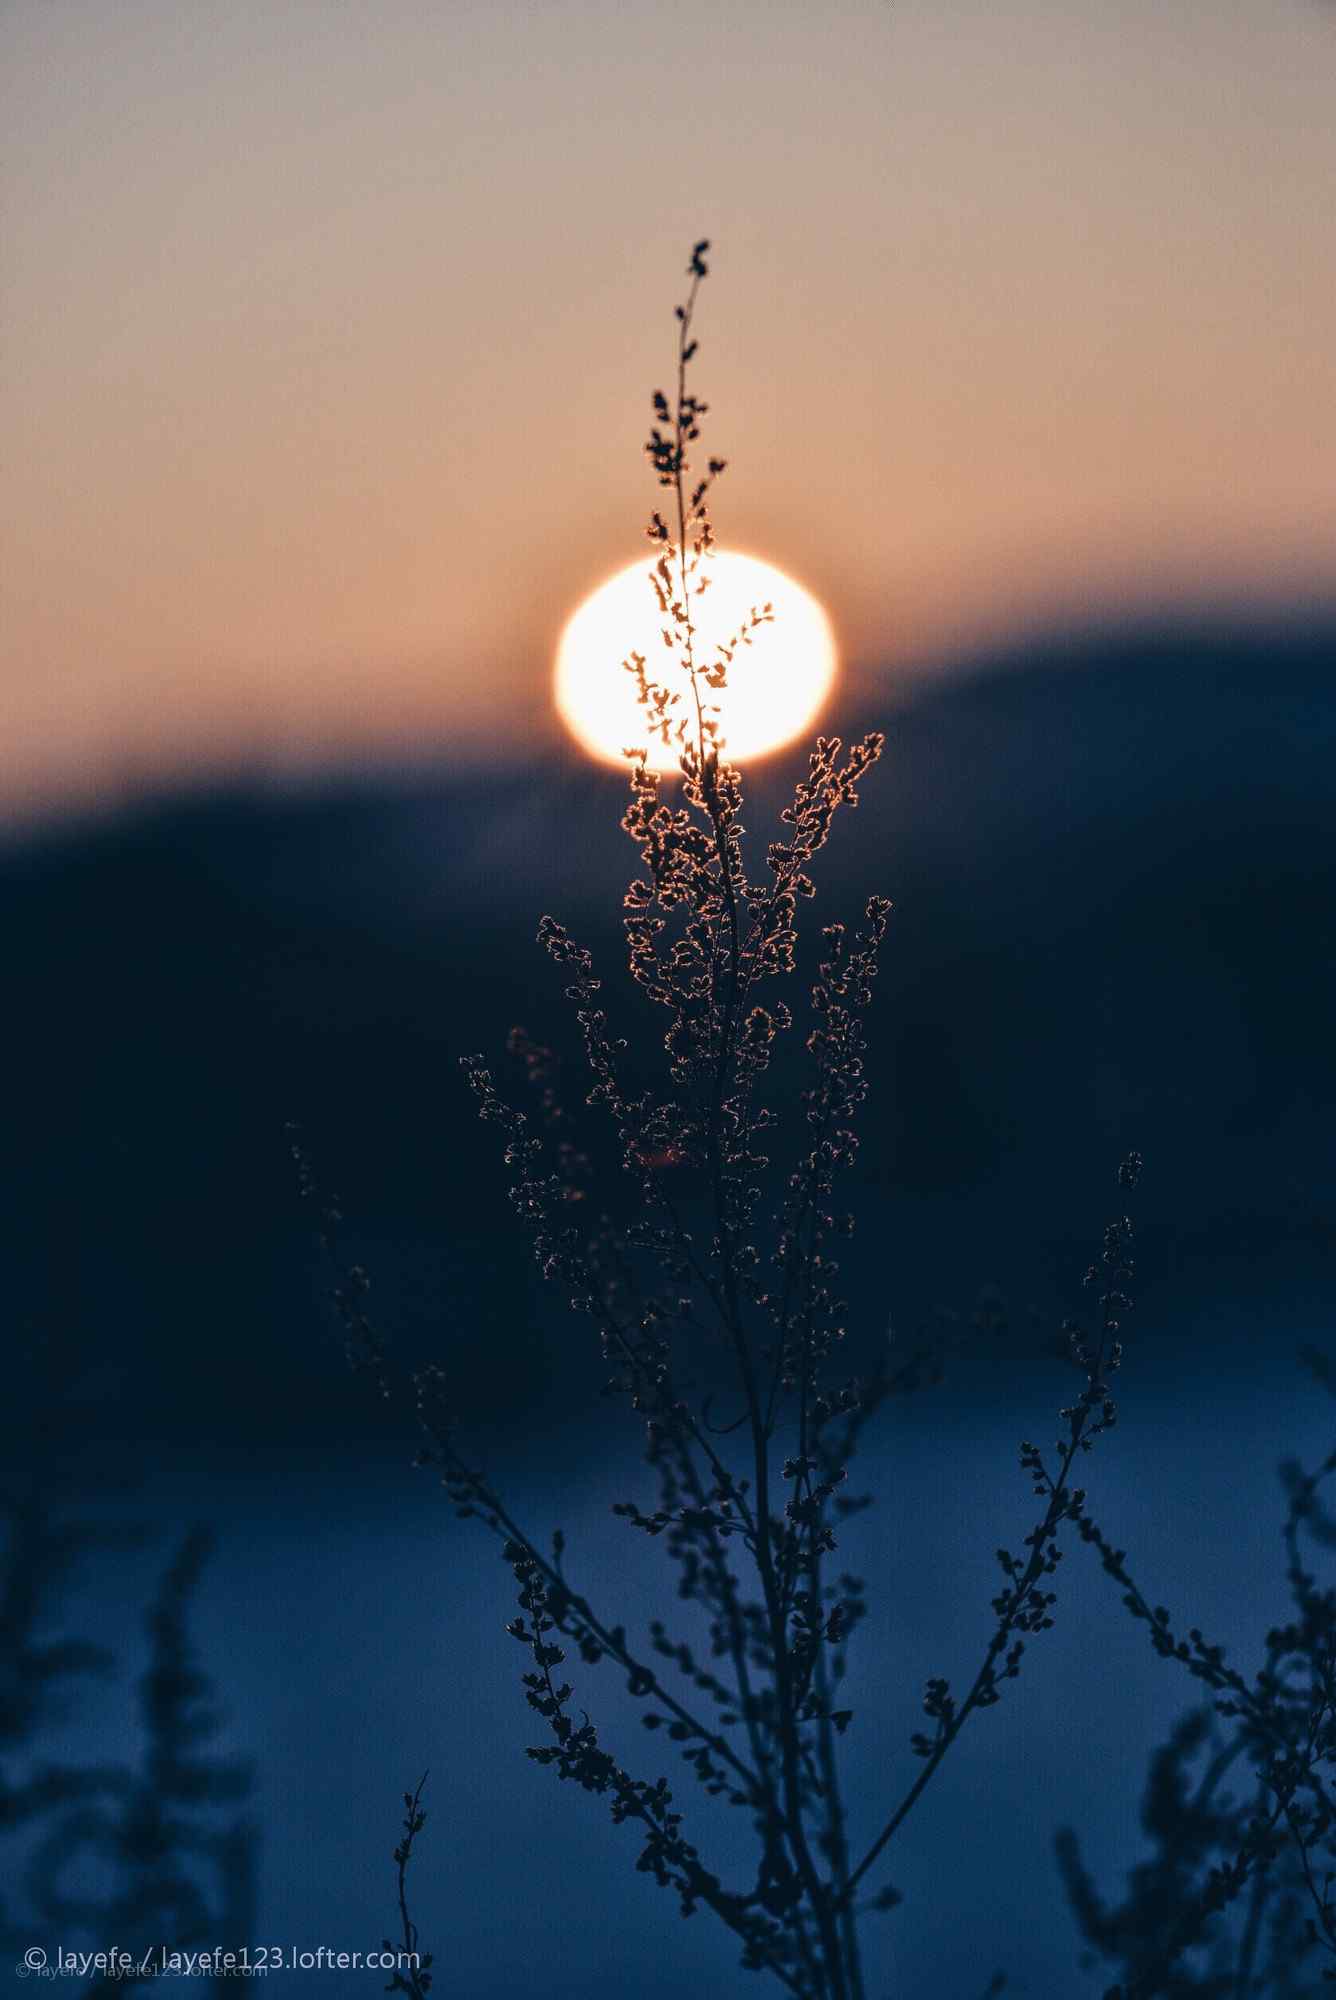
[329, 334]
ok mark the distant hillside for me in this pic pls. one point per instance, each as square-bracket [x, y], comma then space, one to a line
[1114, 867]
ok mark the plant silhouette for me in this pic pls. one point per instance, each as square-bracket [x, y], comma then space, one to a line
[720, 1255]
[1236, 1899]
[148, 1857]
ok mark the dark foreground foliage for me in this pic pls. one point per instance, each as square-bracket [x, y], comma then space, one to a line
[147, 1857]
[1236, 1899]
[715, 1259]
[719, 1257]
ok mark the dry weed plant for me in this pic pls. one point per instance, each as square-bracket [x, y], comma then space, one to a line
[149, 1857]
[729, 1261]
[1236, 1900]
[748, 1513]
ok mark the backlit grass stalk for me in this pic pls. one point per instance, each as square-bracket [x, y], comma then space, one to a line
[721, 1261]
[750, 1524]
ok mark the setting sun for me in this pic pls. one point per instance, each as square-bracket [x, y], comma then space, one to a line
[775, 686]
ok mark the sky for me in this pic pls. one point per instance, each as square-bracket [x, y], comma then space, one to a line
[329, 330]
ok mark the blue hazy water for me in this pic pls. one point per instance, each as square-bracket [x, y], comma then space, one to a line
[354, 1630]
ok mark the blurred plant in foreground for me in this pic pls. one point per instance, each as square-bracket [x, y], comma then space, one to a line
[144, 1857]
[1237, 1899]
[147, 1856]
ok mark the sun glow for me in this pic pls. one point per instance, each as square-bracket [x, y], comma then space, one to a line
[775, 686]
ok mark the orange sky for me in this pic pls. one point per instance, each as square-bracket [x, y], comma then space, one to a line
[329, 327]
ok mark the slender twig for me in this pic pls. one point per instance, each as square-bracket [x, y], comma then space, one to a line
[413, 1974]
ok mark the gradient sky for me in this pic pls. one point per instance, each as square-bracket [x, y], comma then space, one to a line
[328, 332]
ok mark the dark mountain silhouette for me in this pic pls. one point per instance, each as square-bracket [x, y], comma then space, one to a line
[1113, 862]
